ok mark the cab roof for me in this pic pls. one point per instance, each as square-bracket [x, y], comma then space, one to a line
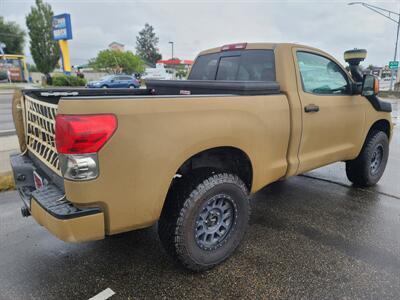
[259, 46]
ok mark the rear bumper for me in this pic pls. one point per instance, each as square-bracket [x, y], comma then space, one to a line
[50, 208]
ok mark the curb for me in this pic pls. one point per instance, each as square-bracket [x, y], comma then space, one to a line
[6, 182]
[7, 91]
[7, 132]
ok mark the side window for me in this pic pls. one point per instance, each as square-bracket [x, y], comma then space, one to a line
[321, 75]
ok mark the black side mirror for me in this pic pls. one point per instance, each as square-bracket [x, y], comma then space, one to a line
[370, 85]
[355, 88]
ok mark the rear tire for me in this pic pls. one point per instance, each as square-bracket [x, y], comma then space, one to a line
[104, 87]
[368, 167]
[201, 226]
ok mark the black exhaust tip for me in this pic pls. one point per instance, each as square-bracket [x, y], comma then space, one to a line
[25, 212]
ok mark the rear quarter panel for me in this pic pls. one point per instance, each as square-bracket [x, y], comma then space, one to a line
[156, 135]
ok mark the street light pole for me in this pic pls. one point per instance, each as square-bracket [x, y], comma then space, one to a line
[172, 48]
[387, 14]
[395, 56]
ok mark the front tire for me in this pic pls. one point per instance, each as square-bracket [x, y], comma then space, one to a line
[368, 167]
[202, 227]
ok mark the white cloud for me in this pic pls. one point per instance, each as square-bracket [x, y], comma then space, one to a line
[196, 25]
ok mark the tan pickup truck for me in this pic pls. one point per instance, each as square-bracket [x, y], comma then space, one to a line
[187, 154]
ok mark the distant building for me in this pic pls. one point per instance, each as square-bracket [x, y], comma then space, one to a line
[176, 67]
[382, 72]
[15, 65]
[377, 71]
[115, 46]
[176, 62]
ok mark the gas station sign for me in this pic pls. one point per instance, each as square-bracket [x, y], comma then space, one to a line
[62, 27]
[62, 32]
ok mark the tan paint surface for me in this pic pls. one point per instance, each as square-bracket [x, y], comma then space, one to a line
[87, 228]
[337, 132]
[156, 135]
[17, 113]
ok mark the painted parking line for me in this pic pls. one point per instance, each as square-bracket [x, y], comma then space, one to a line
[107, 293]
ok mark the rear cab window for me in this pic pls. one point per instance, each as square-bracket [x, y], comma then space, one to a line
[243, 65]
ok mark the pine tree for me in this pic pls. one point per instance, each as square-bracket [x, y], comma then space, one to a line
[146, 44]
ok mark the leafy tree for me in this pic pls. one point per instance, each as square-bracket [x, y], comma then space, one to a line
[31, 67]
[146, 44]
[370, 67]
[45, 51]
[117, 62]
[64, 80]
[181, 72]
[13, 36]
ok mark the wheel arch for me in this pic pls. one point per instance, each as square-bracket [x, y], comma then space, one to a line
[224, 159]
[381, 125]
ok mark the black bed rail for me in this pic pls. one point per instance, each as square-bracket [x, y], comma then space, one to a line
[198, 87]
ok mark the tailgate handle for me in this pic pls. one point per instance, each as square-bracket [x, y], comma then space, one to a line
[311, 108]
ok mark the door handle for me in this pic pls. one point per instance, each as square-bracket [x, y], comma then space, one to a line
[311, 108]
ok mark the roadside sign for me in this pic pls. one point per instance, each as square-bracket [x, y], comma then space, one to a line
[62, 32]
[393, 65]
[62, 27]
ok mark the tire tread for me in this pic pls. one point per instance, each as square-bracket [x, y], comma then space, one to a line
[171, 229]
[357, 170]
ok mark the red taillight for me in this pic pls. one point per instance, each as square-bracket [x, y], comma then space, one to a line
[78, 134]
[239, 46]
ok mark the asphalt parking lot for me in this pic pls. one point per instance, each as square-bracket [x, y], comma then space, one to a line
[311, 237]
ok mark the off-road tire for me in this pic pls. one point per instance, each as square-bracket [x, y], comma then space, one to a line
[178, 221]
[360, 171]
